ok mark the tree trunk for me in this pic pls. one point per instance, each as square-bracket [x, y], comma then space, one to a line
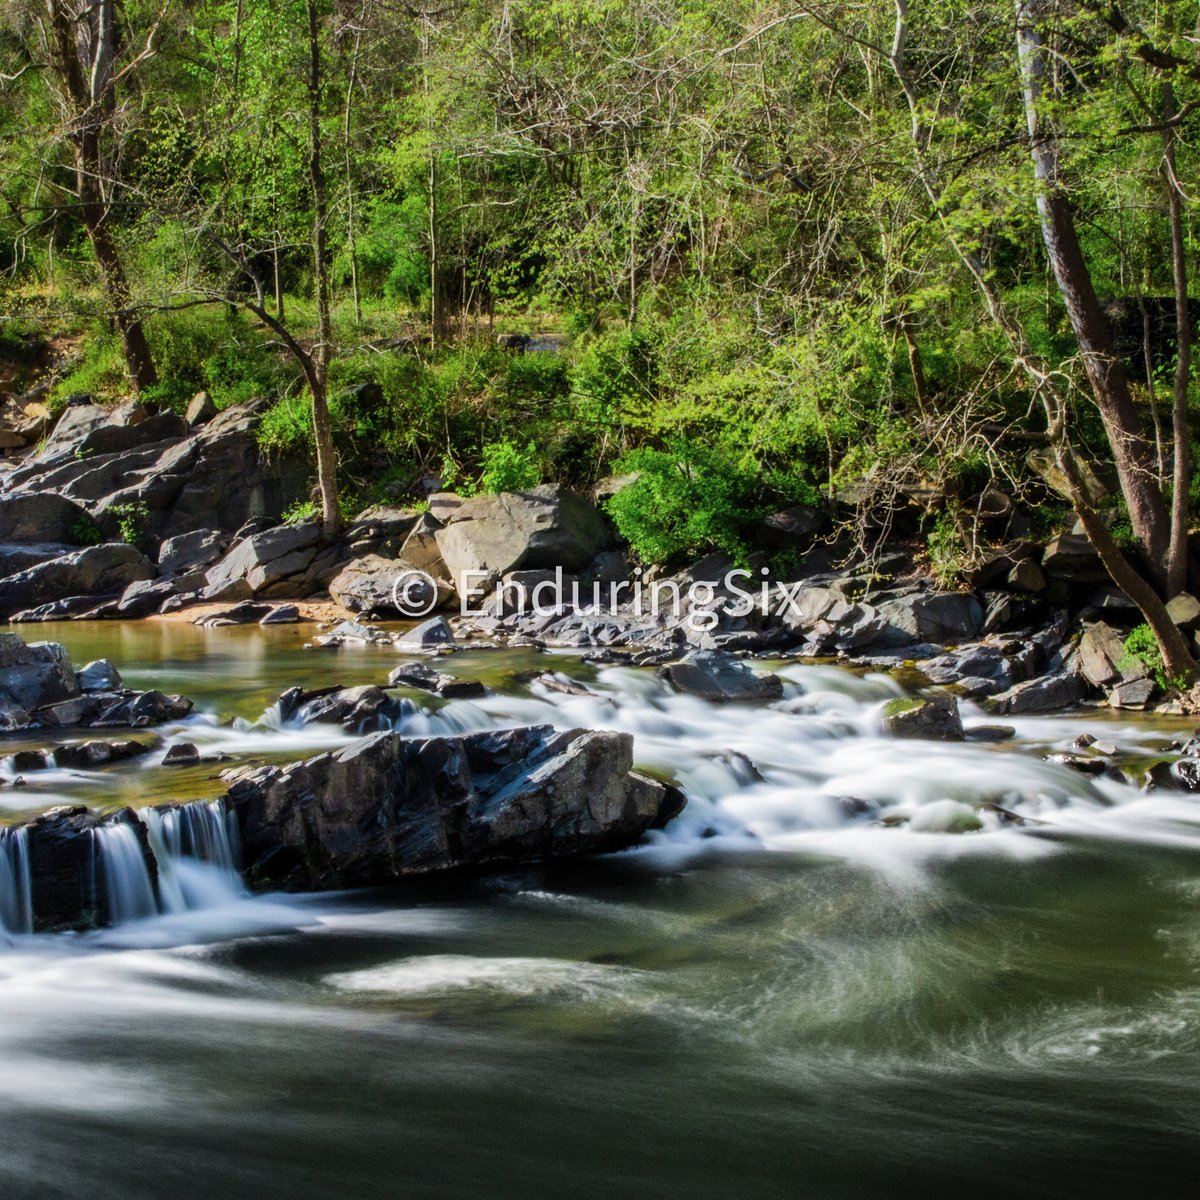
[1177, 552]
[83, 52]
[1110, 387]
[331, 517]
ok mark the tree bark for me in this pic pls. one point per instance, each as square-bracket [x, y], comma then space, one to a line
[1109, 384]
[318, 376]
[83, 48]
[1177, 551]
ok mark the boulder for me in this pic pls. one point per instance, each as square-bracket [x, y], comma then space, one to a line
[719, 677]
[191, 551]
[930, 617]
[418, 675]
[1100, 650]
[248, 612]
[934, 718]
[1133, 693]
[15, 558]
[1071, 557]
[359, 709]
[257, 563]
[434, 632]
[35, 674]
[389, 806]
[200, 409]
[85, 755]
[137, 710]
[1026, 576]
[186, 478]
[282, 614]
[1182, 775]
[143, 597]
[100, 572]
[98, 676]
[1048, 693]
[40, 519]
[68, 888]
[1184, 610]
[182, 754]
[381, 585]
[547, 526]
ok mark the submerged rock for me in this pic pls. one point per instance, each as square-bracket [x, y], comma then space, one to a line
[719, 678]
[932, 717]
[389, 806]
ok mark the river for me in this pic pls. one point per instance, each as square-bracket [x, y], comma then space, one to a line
[801, 988]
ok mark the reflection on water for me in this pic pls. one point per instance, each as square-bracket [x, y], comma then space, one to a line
[794, 990]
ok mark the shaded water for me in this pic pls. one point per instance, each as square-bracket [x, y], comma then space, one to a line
[780, 996]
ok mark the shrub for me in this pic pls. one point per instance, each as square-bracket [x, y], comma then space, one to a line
[687, 499]
[1141, 650]
[133, 522]
[508, 468]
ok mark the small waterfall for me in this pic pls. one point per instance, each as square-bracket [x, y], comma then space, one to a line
[16, 885]
[198, 853]
[128, 884]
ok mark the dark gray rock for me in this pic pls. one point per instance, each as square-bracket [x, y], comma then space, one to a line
[253, 565]
[1100, 651]
[1048, 693]
[34, 674]
[41, 519]
[545, 527]
[361, 709]
[69, 889]
[143, 597]
[418, 675]
[182, 754]
[282, 614]
[1071, 556]
[191, 551]
[248, 612]
[1182, 775]
[390, 806]
[933, 718]
[98, 676]
[86, 755]
[930, 617]
[1134, 693]
[98, 571]
[434, 632]
[719, 677]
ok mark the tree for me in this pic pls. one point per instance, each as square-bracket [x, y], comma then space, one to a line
[85, 48]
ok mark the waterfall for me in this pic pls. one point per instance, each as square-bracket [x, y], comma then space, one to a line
[129, 886]
[16, 888]
[198, 855]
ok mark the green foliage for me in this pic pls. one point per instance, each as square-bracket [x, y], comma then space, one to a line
[946, 552]
[300, 511]
[133, 522]
[687, 499]
[1141, 650]
[509, 468]
[85, 532]
[286, 425]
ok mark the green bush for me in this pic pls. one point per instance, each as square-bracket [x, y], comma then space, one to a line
[133, 522]
[687, 499]
[1141, 650]
[508, 468]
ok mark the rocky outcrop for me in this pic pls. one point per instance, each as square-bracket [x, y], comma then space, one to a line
[185, 478]
[418, 675]
[389, 806]
[546, 527]
[93, 574]
[57, 880]
[288, 560]
[377, 585]
[40, 689]
[360, 709]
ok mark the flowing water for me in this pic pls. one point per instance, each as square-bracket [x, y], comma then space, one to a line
[803, 987]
